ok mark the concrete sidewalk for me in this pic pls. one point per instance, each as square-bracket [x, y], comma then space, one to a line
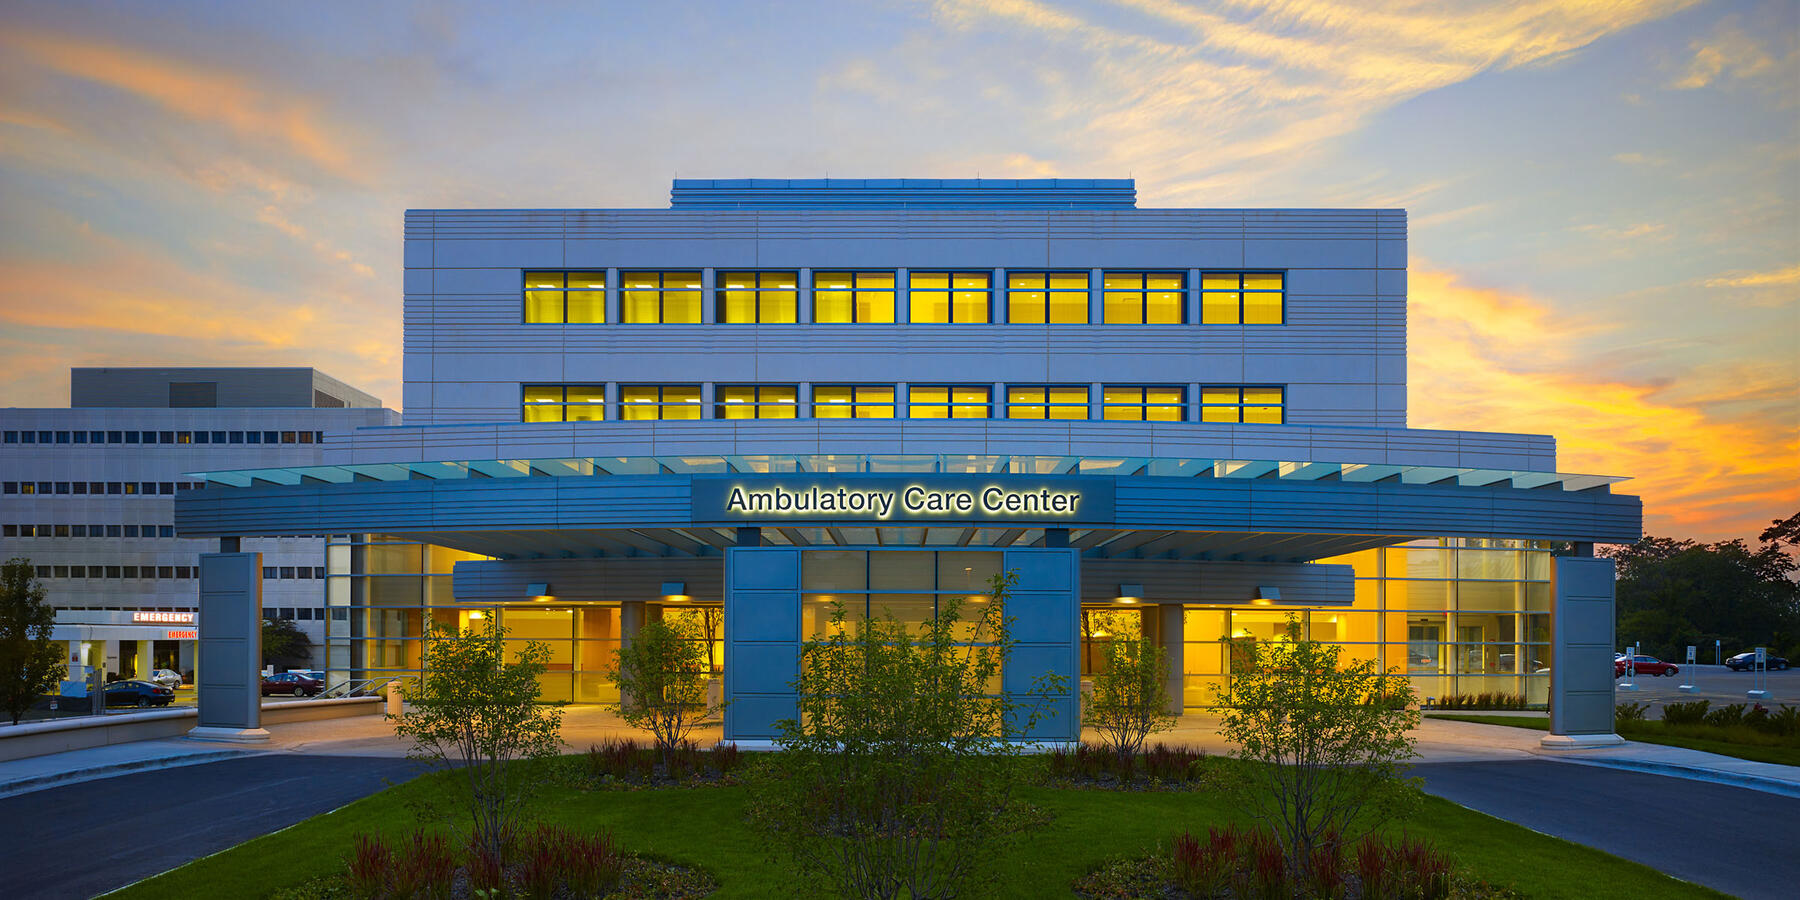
[1439, 741]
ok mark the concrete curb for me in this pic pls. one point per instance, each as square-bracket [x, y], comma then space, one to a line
[95, 773]
[1692, 773]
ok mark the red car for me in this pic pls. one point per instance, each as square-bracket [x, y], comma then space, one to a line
[1646, 665]
[291, 683]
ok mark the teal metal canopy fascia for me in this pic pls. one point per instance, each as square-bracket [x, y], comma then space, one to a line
[942, 464]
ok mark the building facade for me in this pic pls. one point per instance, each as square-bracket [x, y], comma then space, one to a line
[87, 494]
[777, 396]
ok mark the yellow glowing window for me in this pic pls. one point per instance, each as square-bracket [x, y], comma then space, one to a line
[1055, 298]
[949, 297]
[572, 297]
[853, 297]
[1242, 298]
[660, 401]
[755, 401]
[671, 298]
[842, 401]
[1253, 405]
[1143, 298]
[758, 297]
[1143, 404]
[563, 402]
[1046, 402]
[953, 402]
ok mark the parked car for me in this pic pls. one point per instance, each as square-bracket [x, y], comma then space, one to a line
[1744, 661]
[168, 678]
[292, 683]
[138, 693]
[1645, 665]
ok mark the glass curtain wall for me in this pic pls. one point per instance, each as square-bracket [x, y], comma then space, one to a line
[1456, 616]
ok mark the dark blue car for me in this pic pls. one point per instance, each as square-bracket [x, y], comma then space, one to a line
[1744, 661]
[138, 693]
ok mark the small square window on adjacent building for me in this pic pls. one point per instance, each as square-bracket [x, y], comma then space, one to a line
[1053, 298]
[565, 297]
[756, 401]
[949, 297]
[1242, 298]
[665, 298]
[1143, 298]
[1046, 402]
[660, 401]
[758, 298]
[1122, 403]
[563, 402]
[853, 297]
[843, 401]
[949, 402]
[1254, 405]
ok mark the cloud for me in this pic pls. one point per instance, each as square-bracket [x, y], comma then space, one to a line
[1728, 54]
[1655, 231]
[273, 119]
[1711, 448]
[1789, 275]
[1640, 159]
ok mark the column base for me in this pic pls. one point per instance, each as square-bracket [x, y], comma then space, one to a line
[228, 735]
[1579, 741]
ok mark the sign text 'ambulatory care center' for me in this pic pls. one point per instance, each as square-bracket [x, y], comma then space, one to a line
[888, 498]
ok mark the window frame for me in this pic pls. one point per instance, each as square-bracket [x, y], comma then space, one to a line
[662, 403]
[1143, 292]
[950, 405]
[757, 292]
[526, 290]
[1087, 294]
[855, 289]
[856, 405]
[662, 291]
[950, 292]
[1143, 405]
[1242, 299]
[1242, 403]
[757, 405]
[1086, 406]
[562, 405]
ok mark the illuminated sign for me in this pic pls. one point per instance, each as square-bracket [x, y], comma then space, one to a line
[176, 634]
[885, 498]
[163, 618]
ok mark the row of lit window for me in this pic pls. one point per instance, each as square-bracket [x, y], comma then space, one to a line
[118, 571]
[164, 437]
[88, 531]
[1036, 298]
[1123, 403]
[127, 488]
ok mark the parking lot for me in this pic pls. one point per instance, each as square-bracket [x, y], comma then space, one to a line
[1715, 683]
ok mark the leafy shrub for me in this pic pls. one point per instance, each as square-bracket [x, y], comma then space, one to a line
[662, 676]
[1690, 713]
[1629, 712]
[1485, 700]
[1131, 696]
[1783, 723]
[369, 864]
[1726, 716]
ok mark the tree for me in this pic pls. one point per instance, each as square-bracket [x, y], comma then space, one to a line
[32, 663]
[473, 714]
[284, 644]
[1319, 743]
[896, 780]
[1131, 697]
[1672, 593]
[662, 683]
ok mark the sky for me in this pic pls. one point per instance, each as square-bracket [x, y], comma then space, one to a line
[1603, 195]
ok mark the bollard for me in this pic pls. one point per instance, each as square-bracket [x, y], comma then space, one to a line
[393, 698]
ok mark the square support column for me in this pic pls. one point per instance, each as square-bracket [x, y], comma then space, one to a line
[229, 672]
[1581, 671]
[1169, 631]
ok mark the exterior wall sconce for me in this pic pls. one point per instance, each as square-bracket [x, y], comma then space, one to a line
[675, 591]
[1130, 593]
[1267, 595]
[538, 590]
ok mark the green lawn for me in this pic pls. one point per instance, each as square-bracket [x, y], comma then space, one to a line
[705, 827]
[1693, 738]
